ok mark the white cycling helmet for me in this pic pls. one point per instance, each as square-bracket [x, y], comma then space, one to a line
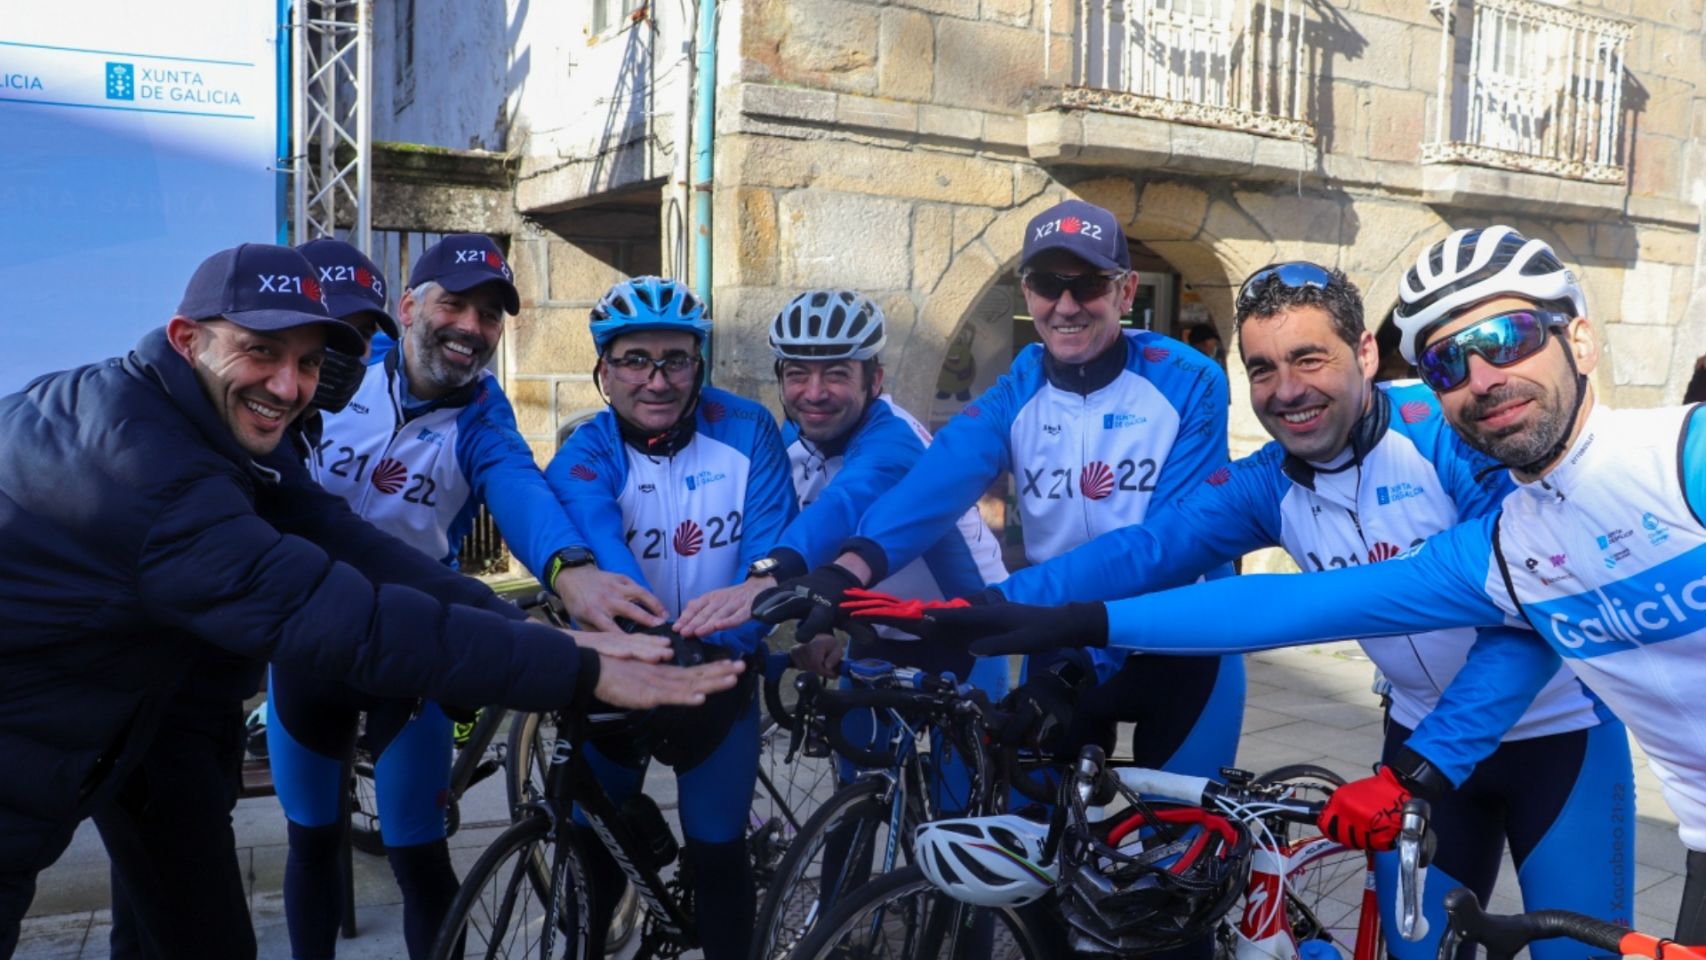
[986, 861]
[828, 325]
[1474, 265]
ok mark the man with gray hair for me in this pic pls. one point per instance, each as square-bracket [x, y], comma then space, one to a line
[426, 439]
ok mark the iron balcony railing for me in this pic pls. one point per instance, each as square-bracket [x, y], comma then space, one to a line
[1525, 85]
[1235, 64]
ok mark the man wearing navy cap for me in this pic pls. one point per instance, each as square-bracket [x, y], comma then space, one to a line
[128, 505]
[1096, 424]
[175, 811]
[426, 439]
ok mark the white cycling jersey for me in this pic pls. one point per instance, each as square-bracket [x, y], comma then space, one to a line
[1605, 557]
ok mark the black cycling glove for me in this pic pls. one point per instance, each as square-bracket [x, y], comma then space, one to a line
[814, 600]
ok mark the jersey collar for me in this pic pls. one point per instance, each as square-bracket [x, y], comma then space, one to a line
[1575, 467]
[1092, 375]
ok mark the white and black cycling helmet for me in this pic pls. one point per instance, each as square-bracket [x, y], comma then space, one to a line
[1475, 265]
[828, 325]
[987, 861]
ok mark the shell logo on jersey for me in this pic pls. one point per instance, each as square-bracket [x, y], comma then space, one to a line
[581, 471]
[1415, 411]
[1156, 354]
[388, 477]
[714, 411]
[1096, 481]
[1221, 477]
[1382, 551]
[688, 539]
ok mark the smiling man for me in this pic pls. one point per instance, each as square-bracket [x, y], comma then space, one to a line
[680, 487]
[1359, 473]
[1097, 425]
[129, 507]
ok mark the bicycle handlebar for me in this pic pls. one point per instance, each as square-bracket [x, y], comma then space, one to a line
[1504, 935]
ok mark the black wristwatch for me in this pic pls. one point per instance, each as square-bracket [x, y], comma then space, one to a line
[566, 559]
[763, 567]
[1418, 774]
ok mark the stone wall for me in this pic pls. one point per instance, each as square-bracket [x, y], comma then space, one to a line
[899, 147]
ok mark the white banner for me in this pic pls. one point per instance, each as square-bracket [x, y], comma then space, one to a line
[139, 137]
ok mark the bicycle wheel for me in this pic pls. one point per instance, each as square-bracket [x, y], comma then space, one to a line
[1325, 882]
[532, 737]
[902, 916]
[836, 851]
[783, 800]
[364, 832]
[509, 906]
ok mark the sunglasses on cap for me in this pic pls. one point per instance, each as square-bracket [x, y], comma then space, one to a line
[1085, 287]
[1293, 275]
[1501, 340]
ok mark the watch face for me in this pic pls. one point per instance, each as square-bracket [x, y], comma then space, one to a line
[575, 556]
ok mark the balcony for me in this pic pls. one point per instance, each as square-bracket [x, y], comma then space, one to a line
[1235, 70]
[1532, 89]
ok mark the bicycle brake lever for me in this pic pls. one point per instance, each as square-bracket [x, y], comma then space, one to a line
[1414, 852]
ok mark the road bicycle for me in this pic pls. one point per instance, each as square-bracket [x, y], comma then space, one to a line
[1280, 913]
[513, 901]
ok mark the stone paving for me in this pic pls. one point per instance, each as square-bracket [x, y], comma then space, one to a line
[1304, 705]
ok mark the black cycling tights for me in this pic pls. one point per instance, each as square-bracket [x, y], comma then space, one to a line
[1691, 919]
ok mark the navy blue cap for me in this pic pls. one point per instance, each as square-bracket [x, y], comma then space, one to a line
[351, 282]
[461, 262]
[1082, 229]
[262, 287]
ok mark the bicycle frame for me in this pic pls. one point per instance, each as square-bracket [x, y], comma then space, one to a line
[1263, 931]
[570, 786]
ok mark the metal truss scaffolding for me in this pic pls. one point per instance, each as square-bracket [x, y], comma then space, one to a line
[331, 121]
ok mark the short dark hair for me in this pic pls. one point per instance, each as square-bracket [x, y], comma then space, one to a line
[1340, 298]
[1199, 332]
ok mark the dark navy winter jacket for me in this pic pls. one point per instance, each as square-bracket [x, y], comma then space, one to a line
[129, 532]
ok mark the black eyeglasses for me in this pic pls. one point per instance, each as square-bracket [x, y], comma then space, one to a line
[639, 368]
[1294, 274]
[1085, 287]
[1501, 340]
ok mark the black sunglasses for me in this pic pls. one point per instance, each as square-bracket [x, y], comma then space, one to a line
[1085, 287]
[1293, 275]
[1501, 340]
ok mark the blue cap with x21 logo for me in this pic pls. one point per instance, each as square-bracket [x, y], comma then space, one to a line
[262, 287]
[1082, 229]
[462, 261]
[352, 283]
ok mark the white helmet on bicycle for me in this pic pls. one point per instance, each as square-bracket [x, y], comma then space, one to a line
[1474, 265]
[828, 325]
[986, 861]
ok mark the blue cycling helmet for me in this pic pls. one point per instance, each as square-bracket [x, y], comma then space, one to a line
[647, 303]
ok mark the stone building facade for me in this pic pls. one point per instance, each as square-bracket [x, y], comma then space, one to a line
[900, 147]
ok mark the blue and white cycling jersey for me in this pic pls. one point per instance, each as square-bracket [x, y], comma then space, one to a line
[686, 522]
[1605, 557]
[1405, 476]
[836, 487]
[1143, 428]
[420, 471]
